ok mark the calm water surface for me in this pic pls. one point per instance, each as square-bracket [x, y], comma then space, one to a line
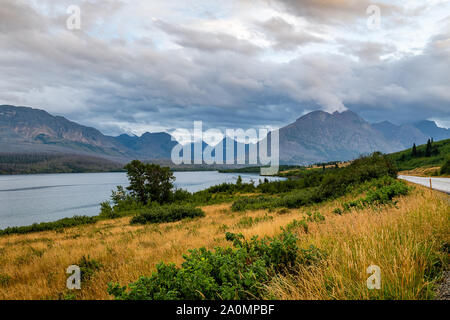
[26, 199]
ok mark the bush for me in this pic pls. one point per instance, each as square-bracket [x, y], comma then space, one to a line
[319, 186]
[378, 192]
[247, 222]
[167, 213]
[445, 169]
[296, 224]
[5, 280]
[260, 202]
[338, 182]
[45, 226]
[225, 273]
[88, 267]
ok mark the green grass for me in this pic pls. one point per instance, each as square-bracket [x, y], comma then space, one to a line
[405, 161]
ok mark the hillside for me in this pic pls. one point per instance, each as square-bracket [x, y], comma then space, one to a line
[315, 137]
[406, 161]
[28, 130]
[13, 163]
[321, 136]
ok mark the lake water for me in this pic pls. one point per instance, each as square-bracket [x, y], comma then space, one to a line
[26, 199]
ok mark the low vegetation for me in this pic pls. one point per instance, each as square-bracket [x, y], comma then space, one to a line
[225, 273]
[151, 196]
[55, 225]
[317, 186]
[29, 163]
[431, 154]
[445, 169]
[378, 192]
[309, 237]
[167, 213]
[409, 241]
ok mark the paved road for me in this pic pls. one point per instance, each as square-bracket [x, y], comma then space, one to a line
[441, 184]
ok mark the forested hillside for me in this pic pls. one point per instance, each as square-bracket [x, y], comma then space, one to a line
[26, 163]
[426, 155]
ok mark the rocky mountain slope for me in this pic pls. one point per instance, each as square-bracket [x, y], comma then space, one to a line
[315, 137]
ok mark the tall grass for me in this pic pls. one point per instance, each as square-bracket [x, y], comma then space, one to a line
[405, 240]
[407, 243]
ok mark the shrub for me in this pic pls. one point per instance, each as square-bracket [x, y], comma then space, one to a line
[180, 195]
[445, 169]
[311, 255]
[379, 192]
[4, 280]
[106, 211]
[45, 226]
[338, 182]
[297, 199]
[247, 222]
[225, 273]
[385, 194]
[88, 267]
[319, 186]
[166, 213]
[315, 217]
[296, 224]
[260, 202]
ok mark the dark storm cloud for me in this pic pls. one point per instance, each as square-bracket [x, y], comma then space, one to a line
[132, 83]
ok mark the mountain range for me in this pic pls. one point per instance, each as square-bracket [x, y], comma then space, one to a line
[318, 136]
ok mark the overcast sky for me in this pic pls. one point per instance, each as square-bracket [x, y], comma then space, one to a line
[156, 65]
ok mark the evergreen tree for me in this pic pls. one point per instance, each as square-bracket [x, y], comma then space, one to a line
[428, 150]
[414, 151]
[239, 181]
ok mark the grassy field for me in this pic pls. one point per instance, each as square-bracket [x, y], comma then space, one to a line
[408, 241]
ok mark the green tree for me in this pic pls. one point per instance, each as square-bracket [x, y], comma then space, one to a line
[414, 151]
[428, 149]
[149, 182]
[239, 181]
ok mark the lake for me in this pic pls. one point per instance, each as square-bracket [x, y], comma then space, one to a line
[26, 199]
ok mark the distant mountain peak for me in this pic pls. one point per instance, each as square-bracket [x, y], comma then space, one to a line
[349, 115]
[320, 115]
[431, 129]
[426, 123]
[317, 136]
[317, 114]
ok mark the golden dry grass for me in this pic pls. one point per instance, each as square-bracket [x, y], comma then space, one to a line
[403, 240]
[35, 263]
[422, 172]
